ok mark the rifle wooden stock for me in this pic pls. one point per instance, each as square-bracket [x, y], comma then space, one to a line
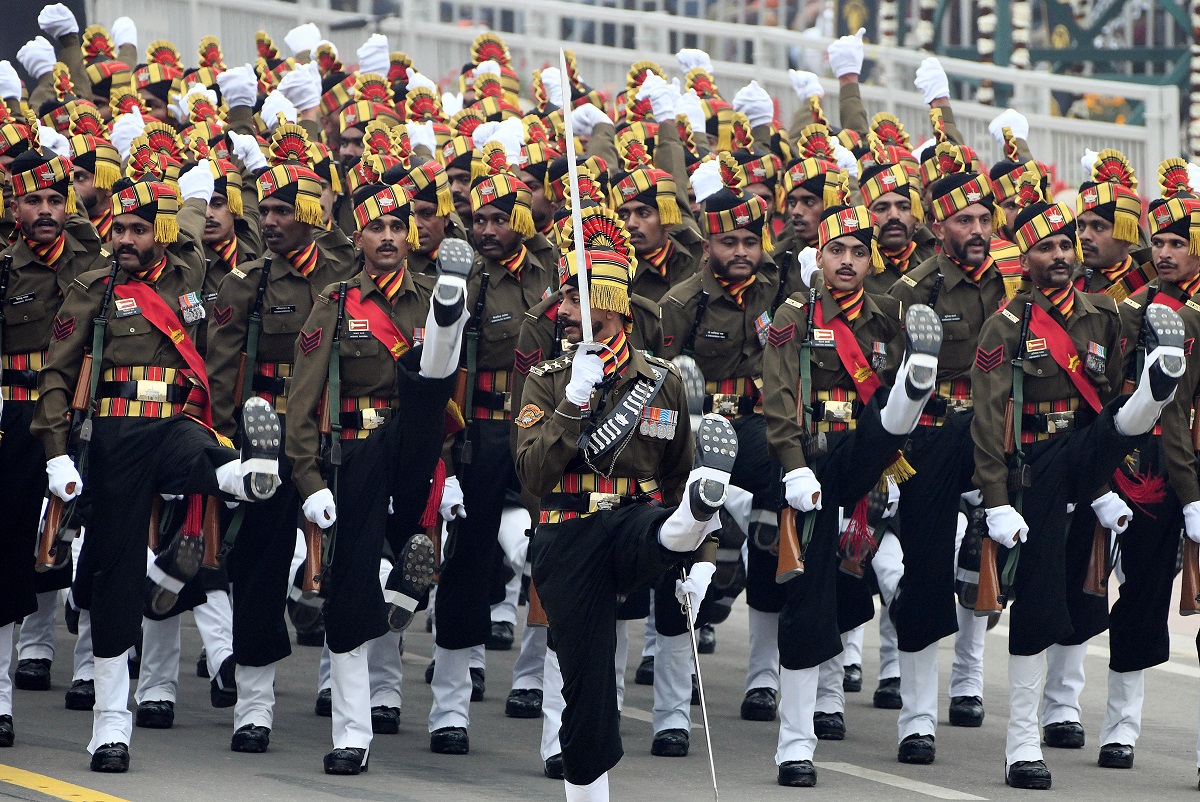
[210, 528]
[851, 567]
[83, 385]
[48, 536]
[1189, 591]
[324, 424]
[988, 600]
[1009, 445]
[312, 561]
[536, 615]
[460, 391]
[791, 559]
[155, 522]
[1096, 581]
[1195, 425]
[241, 377]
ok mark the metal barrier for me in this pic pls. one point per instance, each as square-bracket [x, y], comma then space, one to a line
[437, 35]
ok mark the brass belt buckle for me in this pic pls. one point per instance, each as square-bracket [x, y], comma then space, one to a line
[959, 404]
[148, 390]
[603, 501]
[507, 406]
[373, 418]
[1059, 422]
[725, 403]
[838, 411]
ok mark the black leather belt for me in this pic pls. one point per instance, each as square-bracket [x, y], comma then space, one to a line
[366, 419]
[940, 407]
[20, 378]
[490, 399]
[1056, 422]
[274, 385]
[590, 502]
[744, 405]
[136, 391]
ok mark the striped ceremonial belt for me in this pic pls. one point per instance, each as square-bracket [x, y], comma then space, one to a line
[491, 399]
[733, 398]
[362, 415]
[1045, 420]
[585, 493]
[271, 383]
[835, 410]
[21, 375]
[147, 391]
[948, 398]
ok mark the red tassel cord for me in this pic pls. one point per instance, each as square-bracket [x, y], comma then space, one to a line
[429, 516]
[857, 542]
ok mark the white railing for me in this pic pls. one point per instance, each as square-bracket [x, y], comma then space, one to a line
[534, 30]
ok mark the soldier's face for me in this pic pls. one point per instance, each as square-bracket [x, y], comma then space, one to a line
[768, 197]
[605, 324]
[967, 236]
[646, 232]
[351, 149]
[5, 181]
[85, 190]
[804, 209]
[1171, 258]
[384, 244]
[894, 220]
[1011, 210]
[845, 263]
[218, 222]
[133, 243]
[41, 215]
[493, 233]
[431, 227]
[102, 107]
[540, 206]
[460, 190]
[281, 230]
[734, 255]
[327, 198]
[1100, 248]
[157, 106]
[1050, 261]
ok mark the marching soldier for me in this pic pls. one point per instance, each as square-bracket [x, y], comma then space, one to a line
[893, 196]
[433, 207]
[1108, 211]
[96, 165]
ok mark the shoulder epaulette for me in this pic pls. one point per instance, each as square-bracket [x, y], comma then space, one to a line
[664, 363]
[553, 366]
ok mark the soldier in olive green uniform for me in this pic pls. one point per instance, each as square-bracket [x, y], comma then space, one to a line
[894, 197]
[1108, 212]
[433, 207]
[97, 162]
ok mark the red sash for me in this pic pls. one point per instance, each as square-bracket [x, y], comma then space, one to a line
[1062, 349]
[163, 317]
[850, 352]
[380, 323]
[1166, 300]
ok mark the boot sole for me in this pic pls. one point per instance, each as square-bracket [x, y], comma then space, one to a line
[260, 449]
[415, 578]
[184, 565]
[716, 443]
[923, 341]
[693, 383]
[1166, 331]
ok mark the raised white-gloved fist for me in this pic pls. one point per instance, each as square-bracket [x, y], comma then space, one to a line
[587, 371]
[245, 147]
[844, 158]
[690, 58]
[802, 490]
[452, 505]
[931, 80]
[422, 134]
[706, 180]
[37, 56]
[489, 67]
[585, 119]
[275, 104]
[373, 55]
[893, 499]
[123, 32]
[552, 85]
[196, 182]
[846, 54]
[452, 103]
[511, 134]
[1191, 521]
[973, 497]
[320, 509]
[662, 96]
[1088, 161]
[57, 20]
[239, 86]
[691, 591]
[689, 106]
[753, 101]
[302, 86]
[1112, 512]
[484, 132]
[808, 266]
[65, 481]
[125, 129]
[10, 82]
[1012, 119]
[414, 79]
[179, 109]
[54, 141]
[806, 84]
[1006, 526]
[303, 37]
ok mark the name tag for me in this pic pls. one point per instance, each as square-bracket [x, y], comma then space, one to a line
[500, 318]
[210, 297]
[127, 307]
[282, 310]
[823, 338]
[951, 318]
[17, 300]
[714, 335]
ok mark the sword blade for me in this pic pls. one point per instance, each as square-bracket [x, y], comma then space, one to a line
[691, 619]
[585, 305]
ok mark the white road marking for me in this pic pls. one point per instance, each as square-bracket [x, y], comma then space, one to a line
[897, 781]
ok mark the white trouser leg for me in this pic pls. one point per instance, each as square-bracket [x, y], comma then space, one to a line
[37, 630]
[797, 703]
[1025, 675]
[84, 659]
[966, 672]
[255, 696]
[506, 611]
[650, 632]
[683, 532]
[214, 619]
[386, 670]
[1064, 683]
[918, 692]
[527, 670]
[596, 791]
[854, 643]
[889, 654]
[323, 669]
[6, 683]
[478, 656]
[673, 683]
[1123, 716]
[348, 675]
[831, 698]
[762, 670]
[451, 689]
[158, 680]
[514, 540]
[553, 704]
[888, 564]
[111, 720]
[621, 657]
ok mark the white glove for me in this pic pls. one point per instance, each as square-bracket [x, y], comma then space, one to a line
[320, 509]
[706, 180]
[65, 481]
[275, 104]
[49, 138]
[753, 101]
[57, 20]
[690, 58]
[484, 132]
[846, 54]
[489, 67]
[452, 103]
[197, 182]
[806, 84]
[415, 79]
[893, 499]
[1088, 160]
[302, 86]
[802, 490]
[691, 591]
[171, 496]
[808, 266]
[123, 32]
[689, 106]
[1191, 521]
[239, 86]
[180, 107]
[303, 37]
[452, 505]
[552, 86]
[845, 158]
[585, 119]
[125, 129]
[1009, 118]
[373, 55]
[1193, 173]
[973, 497]
[511, 134]
[37, 57]
[422, 134]
[10, 82]
[931, 80]
[245, 147]
[920, 149]
[1112, 512]
[662, 96]
[587, 371]
[1006, 526]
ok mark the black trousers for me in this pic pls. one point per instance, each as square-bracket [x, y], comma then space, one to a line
[396, 461]
[757, 473]
[821, 604]
[944, 459]
[580, 566]
[22, 488]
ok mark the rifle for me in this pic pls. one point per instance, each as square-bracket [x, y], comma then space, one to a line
[1096, 581]
[155, 523]
[936, 291]
[327, 538]
[59, 516]
[311, 583]
[785, 266]
[464, 391]
[249, 358]
[3, 295]
[536, 614]
[790, 562]
[1189, 589]
[689, 345]
[210, 530]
